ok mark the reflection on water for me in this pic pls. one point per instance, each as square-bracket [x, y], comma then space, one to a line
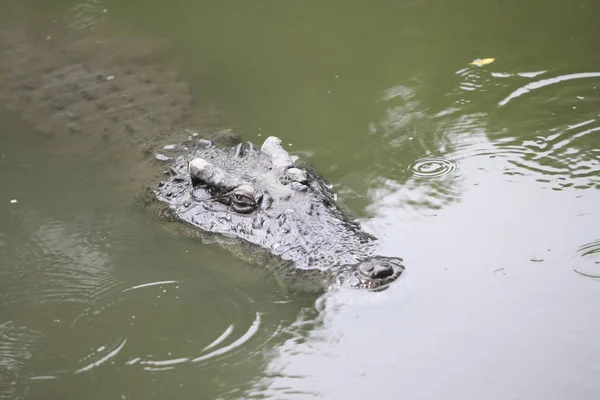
[18, 344]
[87, 14]
[108, 295]
[57, 262]
[547, 82]
[109, 306]
[451, 164]
[410, 161]
[552, 130]
[522, 128]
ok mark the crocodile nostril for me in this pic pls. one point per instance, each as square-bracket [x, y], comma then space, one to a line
[375, 270]
[383, 271]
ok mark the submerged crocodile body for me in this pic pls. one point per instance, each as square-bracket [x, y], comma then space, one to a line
[99, 96]
[261, 200]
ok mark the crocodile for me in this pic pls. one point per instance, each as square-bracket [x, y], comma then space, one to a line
[99, 96]
[264, 202]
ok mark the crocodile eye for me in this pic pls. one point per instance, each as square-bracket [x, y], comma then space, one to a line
[242, 199]
[245, 199]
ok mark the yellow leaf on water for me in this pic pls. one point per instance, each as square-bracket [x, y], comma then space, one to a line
[480, 62]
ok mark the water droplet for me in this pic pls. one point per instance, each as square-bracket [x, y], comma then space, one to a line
[433, 167]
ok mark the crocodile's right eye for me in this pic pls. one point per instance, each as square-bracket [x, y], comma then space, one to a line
[245, 199]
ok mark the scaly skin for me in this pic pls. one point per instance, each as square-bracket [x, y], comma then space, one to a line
[261, 201]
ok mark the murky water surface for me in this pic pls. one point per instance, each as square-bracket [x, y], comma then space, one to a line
[484, 178]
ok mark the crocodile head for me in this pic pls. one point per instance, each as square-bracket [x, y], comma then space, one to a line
[261, 197]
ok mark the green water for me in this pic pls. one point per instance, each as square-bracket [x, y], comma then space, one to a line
[484, 179]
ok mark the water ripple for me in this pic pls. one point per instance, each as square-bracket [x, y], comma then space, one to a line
[533, 140]
[563, 158]
[416, 197]
[474, 86]
[104, 358]
[57, 263]
[587, 262]
[220, 339]
[135, 311]
[87, 14]
[17, 346]
[546, 82]
[413, 171]
[433, 167]
[235, 344]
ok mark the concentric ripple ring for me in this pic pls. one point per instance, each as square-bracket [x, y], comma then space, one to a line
[587, 262]
[433, 167]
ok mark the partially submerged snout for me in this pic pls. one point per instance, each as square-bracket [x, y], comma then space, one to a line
[376, 273]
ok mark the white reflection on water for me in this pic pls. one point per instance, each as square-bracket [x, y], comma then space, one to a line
[546, 82]
[235, 344]
[145, 285]
[103, 359]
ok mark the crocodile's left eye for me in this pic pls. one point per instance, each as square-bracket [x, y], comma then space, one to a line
[245, 199]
